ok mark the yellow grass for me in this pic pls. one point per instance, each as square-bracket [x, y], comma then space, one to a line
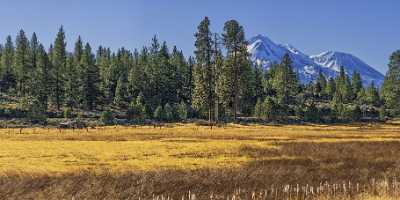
[177, 146]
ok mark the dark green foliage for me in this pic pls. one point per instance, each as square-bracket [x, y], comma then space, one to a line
[7, 72]
[168, 113]
[137, 109]
[270, 109]
[107, 118]
[311, 113]
[42, 77]
[391, 85]
[356, 83]
[59, 58]
[258, 109]
[158, 114]
[220, 83]
[182, 111]
[36, 113]
[90, 84]
[22, 64]
[204, 80]
[68, 113]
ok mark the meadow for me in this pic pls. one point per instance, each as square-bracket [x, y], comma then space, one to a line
[188, 161]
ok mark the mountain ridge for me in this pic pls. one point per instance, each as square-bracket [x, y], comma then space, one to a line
[265, 52]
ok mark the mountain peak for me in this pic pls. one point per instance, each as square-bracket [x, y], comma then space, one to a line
[265, 52]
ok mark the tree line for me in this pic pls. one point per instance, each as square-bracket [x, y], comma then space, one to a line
[220, 83]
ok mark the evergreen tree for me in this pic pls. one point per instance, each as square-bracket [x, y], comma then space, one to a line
[391, 85]
[331, 88]
[59, 67]
[356, 83]
[182, 110]
[259, 109]
[158, 114]
[321, 85]
[22, 64]
[90, 86]
[71, 83]
[137, 76]
[121, 98]
[42, 77]
[372, 95]
[137, 109]
[168, 113]
[7, 75]
[344, 90]
[238, 72]
[204, 92]
[270, 109]
[285, 83]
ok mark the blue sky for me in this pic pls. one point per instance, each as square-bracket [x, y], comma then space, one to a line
[367, 29]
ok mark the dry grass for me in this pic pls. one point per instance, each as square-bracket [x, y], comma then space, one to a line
[128, 162]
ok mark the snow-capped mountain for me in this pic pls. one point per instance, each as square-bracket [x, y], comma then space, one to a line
[265, 52]
[333, 60]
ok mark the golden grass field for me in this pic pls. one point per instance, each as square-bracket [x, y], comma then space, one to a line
[182, 157]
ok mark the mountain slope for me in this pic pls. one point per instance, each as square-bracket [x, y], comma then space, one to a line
[265, 52]
[333, 60]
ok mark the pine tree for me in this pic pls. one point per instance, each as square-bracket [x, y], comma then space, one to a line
[71, 83]
[22, 63]
[285, 83]
[90, 86]
[344, 90]
[42, 77]
[270, 109]
[121, 95]
[391, 85]
[258, 109]
[331, 88]
[137, 76]
[168, 113]
[372, 95]
[356, 83]
[59, 67]
[322, 84]
[203, 94]
[7, 74]
[238, 72]
[182, 111]
[158, 114]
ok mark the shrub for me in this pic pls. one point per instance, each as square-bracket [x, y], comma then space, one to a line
[136, 111]
[258, 109]
[158, 113]
[168, 112]
[311, 114]
[68, 113]
[107, 118]
[182, 111]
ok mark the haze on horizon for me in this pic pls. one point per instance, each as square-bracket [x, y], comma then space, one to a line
[369, 30]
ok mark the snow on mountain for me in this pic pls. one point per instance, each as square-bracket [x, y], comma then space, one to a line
[333, 60]
[265, 52]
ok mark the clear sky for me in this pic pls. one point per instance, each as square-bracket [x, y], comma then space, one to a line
[369, 29]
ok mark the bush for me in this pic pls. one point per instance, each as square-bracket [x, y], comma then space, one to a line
[136, 111]
[68, 113]
[35, 111]
[168, 113]
[258, 109]
[312, 114]
[182, 111]
[107, 118]
[158, 113]
[270, 109]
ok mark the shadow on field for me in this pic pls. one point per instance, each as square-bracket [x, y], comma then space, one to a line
[290, 163]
